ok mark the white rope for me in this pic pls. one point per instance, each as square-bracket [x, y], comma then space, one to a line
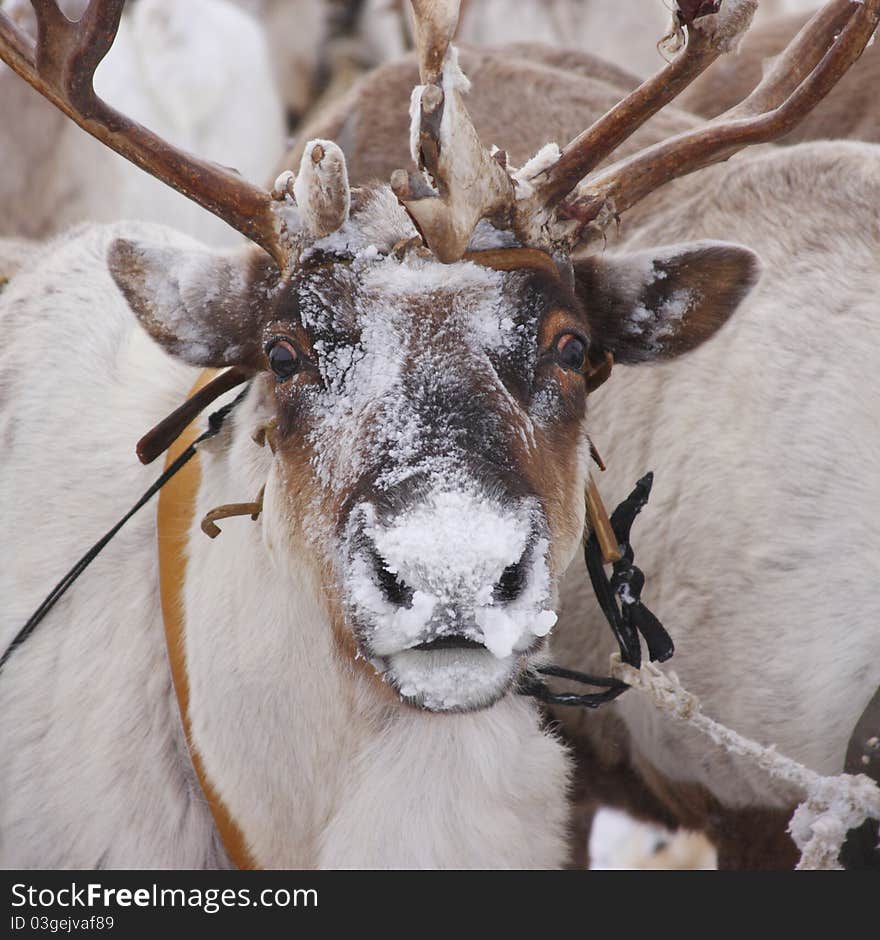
[832, 805]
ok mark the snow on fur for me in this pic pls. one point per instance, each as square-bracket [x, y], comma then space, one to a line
[539, 163]
[367, 374]
[453, 548]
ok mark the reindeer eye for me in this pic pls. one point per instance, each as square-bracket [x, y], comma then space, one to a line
[571, 352]
[283, 358]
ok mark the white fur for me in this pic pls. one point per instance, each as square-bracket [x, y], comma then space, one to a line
[117, 788]
[318, 766]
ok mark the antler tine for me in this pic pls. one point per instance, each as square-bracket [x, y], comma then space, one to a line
[823, 52]
[796, 61]
[69, 52]
[61, 66]
[435, 23]
[706, 41]
[470, 183]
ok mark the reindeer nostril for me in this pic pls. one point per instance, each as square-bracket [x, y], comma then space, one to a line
[511, 583]
[396, 591]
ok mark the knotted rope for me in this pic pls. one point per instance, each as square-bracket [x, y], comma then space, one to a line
[831, 806]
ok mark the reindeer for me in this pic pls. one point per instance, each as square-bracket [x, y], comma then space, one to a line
[197, 72]
[412, 442]
[624, 33]
[745, 819]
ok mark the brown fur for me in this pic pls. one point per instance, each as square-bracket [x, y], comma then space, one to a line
[752, 838]
[716, 279]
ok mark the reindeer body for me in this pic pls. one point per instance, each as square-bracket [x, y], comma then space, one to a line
[318, 766]
[297, 34]
[626, 34]
[572, 88]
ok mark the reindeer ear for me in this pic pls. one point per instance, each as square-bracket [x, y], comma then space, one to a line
[202, 307]
[658, 304]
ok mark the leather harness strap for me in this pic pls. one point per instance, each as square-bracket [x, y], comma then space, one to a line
[177, 503]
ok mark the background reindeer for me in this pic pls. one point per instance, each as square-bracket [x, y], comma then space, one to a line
[198, 72]
[300, 36]
[622, 33]
[321, 47]
[340, 564]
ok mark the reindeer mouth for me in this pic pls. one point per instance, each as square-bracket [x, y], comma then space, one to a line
[455, 641]
[448, 676]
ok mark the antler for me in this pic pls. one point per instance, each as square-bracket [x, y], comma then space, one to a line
[61, 66]
[707, 39]
[801, 77]
[470, 183]
[552, 204]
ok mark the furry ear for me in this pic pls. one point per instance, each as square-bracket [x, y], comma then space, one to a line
[202, 307]
[658, 304]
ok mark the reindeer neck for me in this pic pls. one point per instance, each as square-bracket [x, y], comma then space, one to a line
[266, 689]
[299, 742]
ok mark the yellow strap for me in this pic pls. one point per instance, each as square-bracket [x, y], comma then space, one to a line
[177, 503]
[600, 524]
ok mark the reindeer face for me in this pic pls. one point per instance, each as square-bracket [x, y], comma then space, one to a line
[414, 403]
[430, 451]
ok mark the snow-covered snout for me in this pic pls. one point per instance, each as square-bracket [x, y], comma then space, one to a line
[429, 450]
[449, 595]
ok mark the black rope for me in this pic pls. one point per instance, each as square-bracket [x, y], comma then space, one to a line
[215, 423]
[627, 621]
[531, 685]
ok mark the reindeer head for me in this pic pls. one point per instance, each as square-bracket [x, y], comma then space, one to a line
[430, 446]
[426, 350]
